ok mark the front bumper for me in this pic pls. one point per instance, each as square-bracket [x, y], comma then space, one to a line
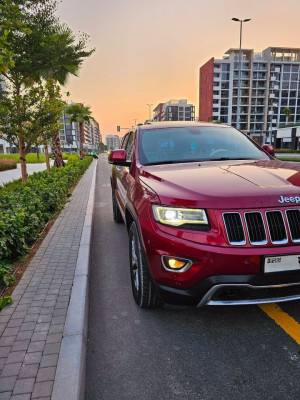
[219, 275]
[236, 290]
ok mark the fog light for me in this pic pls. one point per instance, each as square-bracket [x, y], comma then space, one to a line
[176, 264]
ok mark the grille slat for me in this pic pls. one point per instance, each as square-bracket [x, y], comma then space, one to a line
[293, 217]
[256, 228]
[276, 227]
[234, 228]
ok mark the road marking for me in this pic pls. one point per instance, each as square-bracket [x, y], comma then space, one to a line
[284, 320]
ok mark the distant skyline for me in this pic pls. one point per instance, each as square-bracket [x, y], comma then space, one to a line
[150, 52]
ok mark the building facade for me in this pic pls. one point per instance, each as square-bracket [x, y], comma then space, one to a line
[174, 110]
[69, 135]
[113, 142]
[269, 89]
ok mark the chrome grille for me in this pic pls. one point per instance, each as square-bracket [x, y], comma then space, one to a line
[276, 227]
[256, 228]
[293, 217]
[258, 223]
[234, 228]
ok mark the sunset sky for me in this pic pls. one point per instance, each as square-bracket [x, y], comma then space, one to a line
[151, 51]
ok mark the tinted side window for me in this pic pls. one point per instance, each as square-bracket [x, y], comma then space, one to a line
[124, 141]
[129, 146]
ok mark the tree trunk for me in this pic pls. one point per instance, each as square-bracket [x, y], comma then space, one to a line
[23, 159]
[47, 157]
[56, 148]
[81, 139]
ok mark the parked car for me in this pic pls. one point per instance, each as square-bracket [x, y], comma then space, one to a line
[212, 217]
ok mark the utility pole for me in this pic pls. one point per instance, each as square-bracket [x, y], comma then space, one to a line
[150, 114]
[240, 67]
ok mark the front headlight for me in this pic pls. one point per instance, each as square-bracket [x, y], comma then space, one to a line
[179, 216]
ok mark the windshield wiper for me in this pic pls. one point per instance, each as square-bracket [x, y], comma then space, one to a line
[229, 158]
[170, 162]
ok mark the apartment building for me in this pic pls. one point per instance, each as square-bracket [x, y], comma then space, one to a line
[269, 89]
[174, 110]
[69, 135]
[113, 142]
[95, 135]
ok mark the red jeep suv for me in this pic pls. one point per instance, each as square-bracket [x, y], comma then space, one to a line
[212, 217]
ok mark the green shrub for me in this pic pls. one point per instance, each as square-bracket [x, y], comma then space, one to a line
[71, 157]
[286, 151]
[26, 208]
[31, 158]
[5, 279]
[7, 164]
[293, 159]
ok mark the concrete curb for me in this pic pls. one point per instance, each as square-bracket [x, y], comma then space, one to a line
[69, 383]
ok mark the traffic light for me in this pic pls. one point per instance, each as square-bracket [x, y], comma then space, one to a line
[118, 128]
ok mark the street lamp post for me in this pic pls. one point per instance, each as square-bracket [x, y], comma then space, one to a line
[240, 67]
[150, 105]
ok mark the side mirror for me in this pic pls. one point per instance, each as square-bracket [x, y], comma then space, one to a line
[118, 157]
[269, 149]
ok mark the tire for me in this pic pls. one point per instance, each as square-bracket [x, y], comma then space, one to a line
[116, 211]
[143, 289]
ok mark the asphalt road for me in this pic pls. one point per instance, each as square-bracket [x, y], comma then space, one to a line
[208, 353]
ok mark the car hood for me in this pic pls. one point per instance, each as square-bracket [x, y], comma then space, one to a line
[225, 185]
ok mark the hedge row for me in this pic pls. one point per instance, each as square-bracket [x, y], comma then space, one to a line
[7, 164]
[25, 209]
[31, 158]
[286, 151]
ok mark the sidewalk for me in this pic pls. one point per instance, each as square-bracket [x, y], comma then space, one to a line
[49, 307]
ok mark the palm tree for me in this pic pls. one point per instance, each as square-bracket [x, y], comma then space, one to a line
[287, 111]
[80, 114]
[63, 57]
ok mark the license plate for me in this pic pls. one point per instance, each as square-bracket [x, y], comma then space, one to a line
[282, 263]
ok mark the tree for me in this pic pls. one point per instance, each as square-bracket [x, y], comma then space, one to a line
[63, 57]
[10, 21]
[80, 114]
[48, 116]
[288, 113]
[102, 147]
[28, 117]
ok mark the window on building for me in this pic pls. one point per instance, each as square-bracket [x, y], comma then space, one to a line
[225, 76]
[286, 77]
[294, 76]
[225, 67]
[293, 85]
[295, 68]
[286, 68]
[285, 85]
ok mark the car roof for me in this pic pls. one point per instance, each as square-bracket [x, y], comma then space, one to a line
[178, 124]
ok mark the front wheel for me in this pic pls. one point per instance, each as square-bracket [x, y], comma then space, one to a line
[142, 285]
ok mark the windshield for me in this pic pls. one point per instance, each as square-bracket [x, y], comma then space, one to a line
[188, 144]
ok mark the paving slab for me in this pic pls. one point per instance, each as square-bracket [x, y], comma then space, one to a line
[34, 335]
